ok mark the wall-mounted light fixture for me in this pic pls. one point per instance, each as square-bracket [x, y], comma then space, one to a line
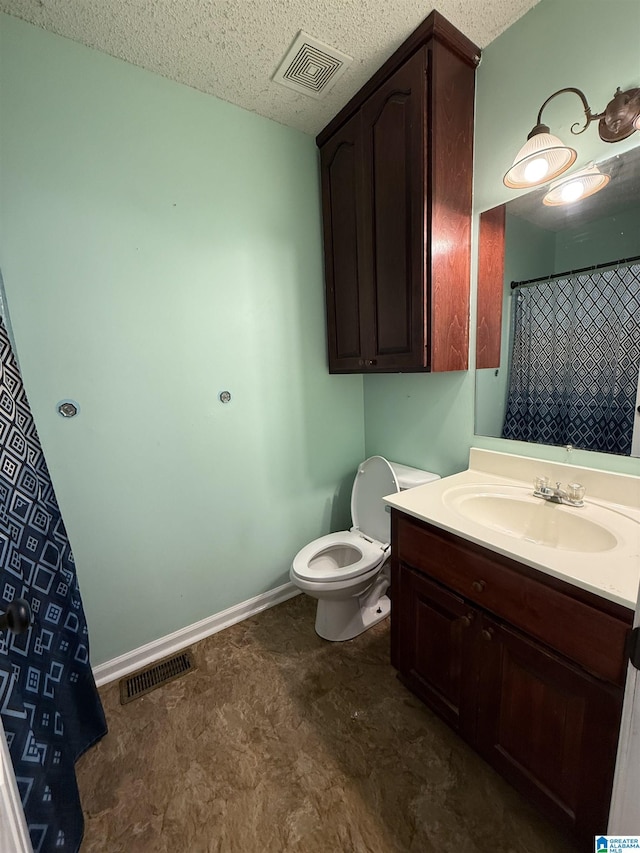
[544, 157]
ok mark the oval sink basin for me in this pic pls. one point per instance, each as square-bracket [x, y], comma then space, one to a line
[534, 520]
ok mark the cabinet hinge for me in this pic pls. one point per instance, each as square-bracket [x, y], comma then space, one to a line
[633, 647]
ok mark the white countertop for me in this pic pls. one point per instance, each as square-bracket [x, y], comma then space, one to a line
[613, 573]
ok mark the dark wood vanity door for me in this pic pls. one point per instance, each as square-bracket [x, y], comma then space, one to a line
[394, 199]
[341, 170]
[548, 727]
[433, 647]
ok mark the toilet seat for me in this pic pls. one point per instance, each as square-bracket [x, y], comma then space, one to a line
[348, 554]
[338, 557]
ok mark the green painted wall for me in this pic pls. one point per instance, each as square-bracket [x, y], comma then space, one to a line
[159, 246]
[428, 420]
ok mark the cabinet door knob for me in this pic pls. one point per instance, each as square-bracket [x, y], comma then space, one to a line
[466, 621]
[487, 634]
[478, 586]
[372, 362]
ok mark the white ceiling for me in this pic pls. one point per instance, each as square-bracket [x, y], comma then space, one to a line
[231, 48]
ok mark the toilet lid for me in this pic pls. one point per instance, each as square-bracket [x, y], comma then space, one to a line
[374, 480]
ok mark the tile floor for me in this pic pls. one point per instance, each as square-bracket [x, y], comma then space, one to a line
[280, 741]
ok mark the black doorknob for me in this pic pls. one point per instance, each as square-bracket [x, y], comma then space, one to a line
[17, 617]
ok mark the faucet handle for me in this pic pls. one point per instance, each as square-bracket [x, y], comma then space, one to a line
[575, 494]
[541, 485]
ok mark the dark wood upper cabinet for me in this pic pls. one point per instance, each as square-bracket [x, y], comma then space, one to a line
[396, 168]
[341, 166]
[392, 206]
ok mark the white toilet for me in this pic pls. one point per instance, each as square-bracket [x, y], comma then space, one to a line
[348, 571]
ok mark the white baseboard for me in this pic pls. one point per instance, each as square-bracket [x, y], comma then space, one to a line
[164, 646]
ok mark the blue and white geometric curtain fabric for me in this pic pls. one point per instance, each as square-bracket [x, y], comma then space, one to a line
[50, 708]
[575, 359]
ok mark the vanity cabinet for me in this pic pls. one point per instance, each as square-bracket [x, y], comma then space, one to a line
[396, 171]
[527, 669]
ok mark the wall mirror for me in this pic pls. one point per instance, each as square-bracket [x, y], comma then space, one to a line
[558, 354]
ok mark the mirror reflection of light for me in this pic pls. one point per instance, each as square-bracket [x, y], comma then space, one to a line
[572, 191]
[581, 184]
[536, 170]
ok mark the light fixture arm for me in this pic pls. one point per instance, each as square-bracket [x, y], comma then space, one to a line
[587, 109]
[544, 157]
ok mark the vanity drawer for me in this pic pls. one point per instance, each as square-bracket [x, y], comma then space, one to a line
[588, 630]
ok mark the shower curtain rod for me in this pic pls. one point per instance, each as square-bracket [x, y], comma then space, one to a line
[515, 284]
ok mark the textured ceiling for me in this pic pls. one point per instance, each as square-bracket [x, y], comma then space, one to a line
[231, 48]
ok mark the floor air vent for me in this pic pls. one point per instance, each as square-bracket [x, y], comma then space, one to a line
[311, 67]
[147, 679]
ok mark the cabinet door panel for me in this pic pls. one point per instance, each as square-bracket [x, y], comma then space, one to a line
[548, 727]
[390, 140]
[341, 164]
[394, 132]
[434, 640]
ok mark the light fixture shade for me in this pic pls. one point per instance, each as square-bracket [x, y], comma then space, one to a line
[542, 158]
[575, 187]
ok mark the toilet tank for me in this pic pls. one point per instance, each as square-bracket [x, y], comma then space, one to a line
[409, 477]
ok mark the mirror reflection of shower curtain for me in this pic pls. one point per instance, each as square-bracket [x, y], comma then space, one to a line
[575, 360]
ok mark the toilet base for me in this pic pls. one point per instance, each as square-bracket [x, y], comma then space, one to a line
[345, 619]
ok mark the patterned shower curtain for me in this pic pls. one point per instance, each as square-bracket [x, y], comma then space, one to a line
[575, 360]
[49, 704]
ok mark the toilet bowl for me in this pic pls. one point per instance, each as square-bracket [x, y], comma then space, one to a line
[348, 572]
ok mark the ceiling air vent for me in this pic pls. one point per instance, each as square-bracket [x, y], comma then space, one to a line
[311, 67]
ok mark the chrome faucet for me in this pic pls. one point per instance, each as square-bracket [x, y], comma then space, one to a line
[573, 495]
